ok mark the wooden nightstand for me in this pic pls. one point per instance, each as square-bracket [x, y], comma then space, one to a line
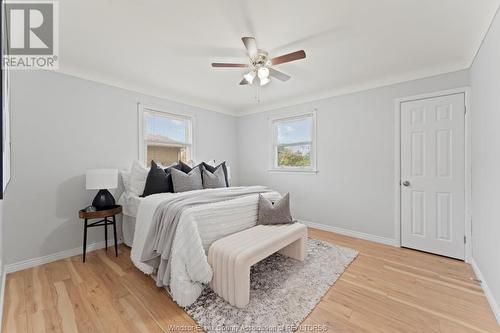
[104, 215]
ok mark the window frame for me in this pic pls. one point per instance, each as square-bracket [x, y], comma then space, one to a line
[273, 151]
[144, 110]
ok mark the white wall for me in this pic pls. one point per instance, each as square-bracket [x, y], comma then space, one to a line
[62, 126]
[354, 188]
[485, 84]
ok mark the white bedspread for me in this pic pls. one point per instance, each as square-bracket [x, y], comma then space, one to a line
[198, 228]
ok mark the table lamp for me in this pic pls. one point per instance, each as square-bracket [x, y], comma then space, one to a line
[102, 180]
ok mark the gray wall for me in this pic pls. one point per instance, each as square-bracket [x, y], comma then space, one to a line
[62, 126]
[354, 188]
[485, 83]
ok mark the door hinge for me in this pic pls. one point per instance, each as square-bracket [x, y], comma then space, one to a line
[465, 239]
[465, 107]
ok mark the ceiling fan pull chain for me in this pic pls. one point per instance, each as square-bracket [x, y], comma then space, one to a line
[256, 94]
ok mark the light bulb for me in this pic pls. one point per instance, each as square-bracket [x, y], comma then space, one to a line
[264, 81]
[249, 77]
[263, 72]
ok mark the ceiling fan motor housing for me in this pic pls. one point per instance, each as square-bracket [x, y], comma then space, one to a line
[261, 59]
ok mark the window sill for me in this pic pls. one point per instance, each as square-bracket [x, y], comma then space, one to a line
[303, 171]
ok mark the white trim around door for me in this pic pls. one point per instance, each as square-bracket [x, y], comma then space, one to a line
[468, 168]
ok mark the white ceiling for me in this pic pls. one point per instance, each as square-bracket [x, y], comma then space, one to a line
[164, 47]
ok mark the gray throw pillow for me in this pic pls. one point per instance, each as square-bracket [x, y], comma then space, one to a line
[214, 179]
[279, 213]
[213, 168]
[186, 181]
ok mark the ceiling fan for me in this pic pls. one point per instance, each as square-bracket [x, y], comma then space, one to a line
[261, 65]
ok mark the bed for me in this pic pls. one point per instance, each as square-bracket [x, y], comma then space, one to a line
[185, 269]
[130, 203]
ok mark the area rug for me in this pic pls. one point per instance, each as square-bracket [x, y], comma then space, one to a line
[283, 291]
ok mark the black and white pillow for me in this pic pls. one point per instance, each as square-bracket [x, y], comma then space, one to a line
[159, 180]
[189, 181]
[214, 179]
[213, 169]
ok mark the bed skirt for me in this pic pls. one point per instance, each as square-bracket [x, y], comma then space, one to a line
[128, 227]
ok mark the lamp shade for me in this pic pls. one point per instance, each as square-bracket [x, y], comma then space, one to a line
[99, 179]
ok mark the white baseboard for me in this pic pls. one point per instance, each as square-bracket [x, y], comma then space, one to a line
[489, 295]
[352, 233]
[19, 266]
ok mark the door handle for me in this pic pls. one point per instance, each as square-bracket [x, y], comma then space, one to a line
[406, 183]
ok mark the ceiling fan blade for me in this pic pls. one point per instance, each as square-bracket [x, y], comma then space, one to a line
[288, 57]
[243, 82]
[222, 64]
[279, 75]
[251, 46]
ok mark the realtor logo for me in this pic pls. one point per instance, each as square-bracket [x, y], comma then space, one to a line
[31, 34]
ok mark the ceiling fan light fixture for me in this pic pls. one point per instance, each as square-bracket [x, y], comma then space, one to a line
[260, 65]
[264, 81]
[263, 73]
[249, 76]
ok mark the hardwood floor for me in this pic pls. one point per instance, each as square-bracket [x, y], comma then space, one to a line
[385, 289]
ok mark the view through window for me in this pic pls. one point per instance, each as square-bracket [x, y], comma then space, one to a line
[167, 138]
[293, 139]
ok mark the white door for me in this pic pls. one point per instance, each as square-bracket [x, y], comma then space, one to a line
[433, 175]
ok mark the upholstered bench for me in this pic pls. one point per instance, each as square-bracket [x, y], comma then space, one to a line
[232, 256]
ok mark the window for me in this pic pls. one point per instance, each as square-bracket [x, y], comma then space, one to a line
[164, 137]
[294, 146]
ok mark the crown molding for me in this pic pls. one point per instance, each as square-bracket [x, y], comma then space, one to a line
[485, 35]
[352, 89]
[116, 83]
[271, 106]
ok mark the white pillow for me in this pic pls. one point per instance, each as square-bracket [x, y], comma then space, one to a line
[138, 175]
[125, 179]
[212, 163]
